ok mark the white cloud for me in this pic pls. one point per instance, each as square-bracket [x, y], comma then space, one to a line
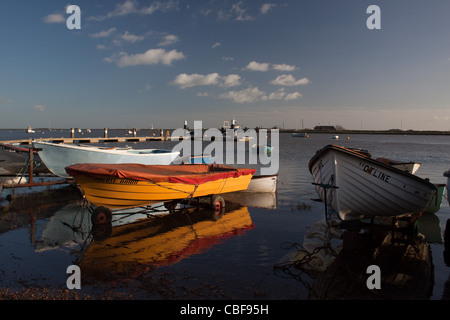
[289, 80]
[231, 80]
[283, 67]
[168, 40]
[256, 66]
[293, 96]
[147, 88]
[254, 95]
[103, 33]
[215, 45]
[54, 18]
[125, 8]
[192, 80]
[266, 7]
[152, 56]
[132, 7]
[39, 107]
[246, 95]
[131, 37]
[277, 95]
[237, 12]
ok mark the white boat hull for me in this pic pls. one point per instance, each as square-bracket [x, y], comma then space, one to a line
[358, 186]
[263, 184]
[57, 157]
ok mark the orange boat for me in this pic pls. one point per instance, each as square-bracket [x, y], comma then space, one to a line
[117, 186]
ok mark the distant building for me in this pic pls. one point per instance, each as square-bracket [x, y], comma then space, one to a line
[324, 128]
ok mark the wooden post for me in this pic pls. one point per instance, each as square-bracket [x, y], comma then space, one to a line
[105, 133]
[72, 133]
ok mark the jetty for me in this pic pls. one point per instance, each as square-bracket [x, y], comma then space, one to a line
[72, 139]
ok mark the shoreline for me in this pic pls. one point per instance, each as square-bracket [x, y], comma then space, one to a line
[307, 130]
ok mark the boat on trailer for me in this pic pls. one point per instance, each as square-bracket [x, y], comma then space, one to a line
[357, 186]
[57, 156]
[121, 186]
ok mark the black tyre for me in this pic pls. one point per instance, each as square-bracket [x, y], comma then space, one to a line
[101, 215]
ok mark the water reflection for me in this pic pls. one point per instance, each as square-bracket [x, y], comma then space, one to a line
[160, 241]
[333, 262]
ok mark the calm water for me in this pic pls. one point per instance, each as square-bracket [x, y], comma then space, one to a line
[237, 257]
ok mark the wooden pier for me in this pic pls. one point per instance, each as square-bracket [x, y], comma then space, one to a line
[104, 139]
[93, 140]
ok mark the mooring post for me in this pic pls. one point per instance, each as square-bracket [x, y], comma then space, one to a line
[72, 133]
[105, 133]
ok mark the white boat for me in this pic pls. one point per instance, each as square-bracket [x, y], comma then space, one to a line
[57, 156]
[300, 134]
[263, 183]
[29, 130]
[357, 186]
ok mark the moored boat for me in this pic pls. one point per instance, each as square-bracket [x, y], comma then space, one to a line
[300, 134]
[57, 156]
[118, 186]
[357, 186]
[263, 183]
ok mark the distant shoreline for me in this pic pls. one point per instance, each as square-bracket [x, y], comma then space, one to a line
[395, 132]
[309, 131]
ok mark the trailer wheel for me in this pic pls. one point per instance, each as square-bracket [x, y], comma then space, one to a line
[218, 206]
[171, 206]
[101, 215]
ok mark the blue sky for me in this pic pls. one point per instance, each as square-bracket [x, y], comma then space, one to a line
[265, 63]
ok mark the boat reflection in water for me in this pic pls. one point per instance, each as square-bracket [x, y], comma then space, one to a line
[160, 240]
[336, 261]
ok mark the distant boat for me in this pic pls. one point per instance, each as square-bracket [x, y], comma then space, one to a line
[300, 134]
[357, 186]
[264, 148]
[29, 130]
[335, 137]
[57, 156]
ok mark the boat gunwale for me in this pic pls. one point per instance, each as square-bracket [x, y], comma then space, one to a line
[113, 150]
[344, 150]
